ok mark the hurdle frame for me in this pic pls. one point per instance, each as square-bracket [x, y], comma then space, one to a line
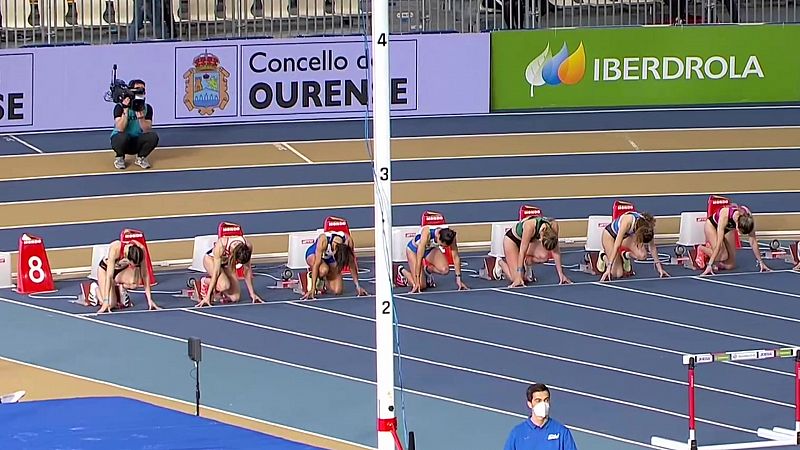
[777, 437]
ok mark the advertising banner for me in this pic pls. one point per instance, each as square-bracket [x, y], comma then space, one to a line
[644, 66]
[240, 81]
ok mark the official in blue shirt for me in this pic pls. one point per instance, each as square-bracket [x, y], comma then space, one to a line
[540, 431]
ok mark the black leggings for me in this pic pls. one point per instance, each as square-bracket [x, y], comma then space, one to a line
[141, 145]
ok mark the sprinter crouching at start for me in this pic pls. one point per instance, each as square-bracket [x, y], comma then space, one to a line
[429, 245]
[220, 264]
[128, 272]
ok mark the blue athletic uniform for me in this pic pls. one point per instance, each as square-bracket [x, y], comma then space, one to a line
[328, 255]
[430, 245]
[529, 436]
[613, 227]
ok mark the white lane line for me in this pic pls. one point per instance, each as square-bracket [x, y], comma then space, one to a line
[515, 349]
[579, 333]
[700, 303]
[286, 146]
[323, 372]
[645, 318]
[745, 286]
[26, 144]
[472, 371]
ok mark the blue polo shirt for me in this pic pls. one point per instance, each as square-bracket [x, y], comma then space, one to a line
[528, 436]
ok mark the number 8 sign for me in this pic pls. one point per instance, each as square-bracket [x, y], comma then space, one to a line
[33, 268]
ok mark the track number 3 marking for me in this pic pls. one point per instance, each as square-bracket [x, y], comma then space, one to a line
[35, 272]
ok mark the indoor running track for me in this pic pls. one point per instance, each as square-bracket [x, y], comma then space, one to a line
[611, 353]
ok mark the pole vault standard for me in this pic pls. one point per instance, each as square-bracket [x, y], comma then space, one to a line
[384, 303]
[776, 437]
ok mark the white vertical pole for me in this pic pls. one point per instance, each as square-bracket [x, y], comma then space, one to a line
[384, 307]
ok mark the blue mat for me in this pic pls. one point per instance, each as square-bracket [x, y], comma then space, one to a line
[121, 423]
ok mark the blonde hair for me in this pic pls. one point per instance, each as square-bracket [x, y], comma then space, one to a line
[549, 237]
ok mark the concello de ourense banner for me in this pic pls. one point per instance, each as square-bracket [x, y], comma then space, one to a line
[644, 66]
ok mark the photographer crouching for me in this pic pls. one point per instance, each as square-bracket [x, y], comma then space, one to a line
[133, 125]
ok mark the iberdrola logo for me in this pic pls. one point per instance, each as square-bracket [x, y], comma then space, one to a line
[547, 69]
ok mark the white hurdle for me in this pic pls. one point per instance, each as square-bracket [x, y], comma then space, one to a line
[5, 270]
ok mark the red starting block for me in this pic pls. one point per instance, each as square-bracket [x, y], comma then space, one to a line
[83, 297]
[338, 224]
[526, 211]
[33, 268]
[127, 236]
[717, 202]
[229, 229]
[433, 219]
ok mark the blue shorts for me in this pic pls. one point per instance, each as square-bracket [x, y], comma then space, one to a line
[313, 249]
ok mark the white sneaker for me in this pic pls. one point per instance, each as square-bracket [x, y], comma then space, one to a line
[119, 162]
[143, 163]
[92, 299]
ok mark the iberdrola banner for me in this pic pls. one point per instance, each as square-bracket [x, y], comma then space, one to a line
[644, 66]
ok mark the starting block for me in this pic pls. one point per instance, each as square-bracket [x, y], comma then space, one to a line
[776, 251]
[300, 285]
[228, 229]
[5, 270]
[340, 225]
[434, 219]
[33, 268]
[717, 202]
[83, 296]
[127, 236]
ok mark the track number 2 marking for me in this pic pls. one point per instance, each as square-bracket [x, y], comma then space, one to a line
[386, 306]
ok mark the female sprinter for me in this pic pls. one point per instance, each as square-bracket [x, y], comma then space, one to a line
[633, 231]
[531, 238]
[326, 257]
[220, 264]
[422, 247]
[720, 244]
[127, 261]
